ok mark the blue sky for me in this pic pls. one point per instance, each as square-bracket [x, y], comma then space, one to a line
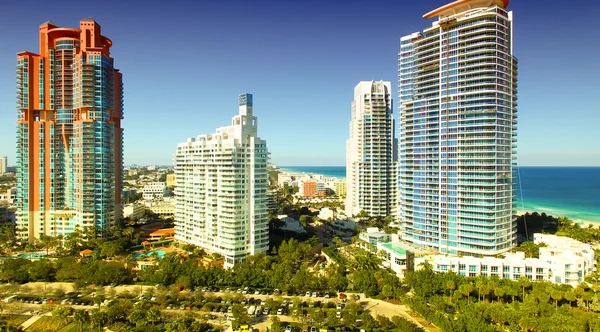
[185, 62]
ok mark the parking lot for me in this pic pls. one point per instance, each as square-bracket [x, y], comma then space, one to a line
[216, 304]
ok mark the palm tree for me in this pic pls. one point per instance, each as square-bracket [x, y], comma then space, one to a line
[524, 283]
[556, 295]
[81, 317]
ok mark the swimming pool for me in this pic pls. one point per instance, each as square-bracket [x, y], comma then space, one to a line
[159, 253]
[32, 256]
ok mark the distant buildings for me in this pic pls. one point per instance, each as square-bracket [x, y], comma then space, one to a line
[340, 188]
[221, 189]
[154, 190]
[171, 180]
[69, 136]
[165, 210]
[3, 165]
[10, 196]
[134, 211]
[458, 111]
[371, 152]
[308, 188]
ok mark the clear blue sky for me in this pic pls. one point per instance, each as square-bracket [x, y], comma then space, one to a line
[185, 62]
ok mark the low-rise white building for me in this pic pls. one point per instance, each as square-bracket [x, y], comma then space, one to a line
[563, 261]
[134, 211]
[154, 190]
[374, 236]
[164, 209]
[326, 213]
[513, 266]
[570, 260]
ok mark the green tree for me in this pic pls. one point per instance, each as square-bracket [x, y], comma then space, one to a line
[240, 314]
[98, 319]
[385, 323]
[318, 317]
[81, 317]
[276, 324]
[153, 315]
[137, 317]
[62, 314]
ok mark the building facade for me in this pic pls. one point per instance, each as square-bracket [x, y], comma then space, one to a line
[221, 189]
[371, 152]
[171, 180]
[562, 261]
[154, 190]
[458, 111]
[134, 211]
[3, 165]
[309, 188]
[340, 188]
[69, 136]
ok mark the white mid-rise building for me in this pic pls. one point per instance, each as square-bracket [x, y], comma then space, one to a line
[221, 189]
[154, 190]
[371, 152]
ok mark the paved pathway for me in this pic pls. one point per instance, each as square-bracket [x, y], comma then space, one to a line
[26, 324]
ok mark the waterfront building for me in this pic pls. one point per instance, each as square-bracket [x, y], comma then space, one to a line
[221, 189]
[371, 152]
[562, 261]
[458, 111]
[69, 136]
[3, 165]
[154, 190]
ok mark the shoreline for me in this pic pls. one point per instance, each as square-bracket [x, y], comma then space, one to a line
[581, 222]
[292, 172]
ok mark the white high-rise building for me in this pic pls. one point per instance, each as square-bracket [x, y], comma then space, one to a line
[3, 164]
[371, 180]
[458, 127]
[221, 189]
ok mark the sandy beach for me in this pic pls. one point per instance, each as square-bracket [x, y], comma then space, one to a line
[583, 223]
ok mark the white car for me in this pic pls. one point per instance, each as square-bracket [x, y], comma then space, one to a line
[338, 314]
[288, 328]
[314, 294]
[307, 294]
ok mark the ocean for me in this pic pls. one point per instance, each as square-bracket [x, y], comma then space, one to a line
[572, 192]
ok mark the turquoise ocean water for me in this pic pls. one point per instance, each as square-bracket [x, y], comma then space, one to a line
[572, 192]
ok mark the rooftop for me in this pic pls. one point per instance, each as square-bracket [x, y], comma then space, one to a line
[464, 5]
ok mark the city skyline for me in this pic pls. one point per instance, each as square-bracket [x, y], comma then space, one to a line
[256, 45]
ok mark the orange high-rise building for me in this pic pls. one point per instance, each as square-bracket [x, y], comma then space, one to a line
[69, 135]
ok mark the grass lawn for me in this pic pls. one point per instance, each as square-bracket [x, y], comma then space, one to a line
[46, 324]
[16, 319]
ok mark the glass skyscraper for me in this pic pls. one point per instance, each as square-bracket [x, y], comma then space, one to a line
[69, 137]
[458, 111]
